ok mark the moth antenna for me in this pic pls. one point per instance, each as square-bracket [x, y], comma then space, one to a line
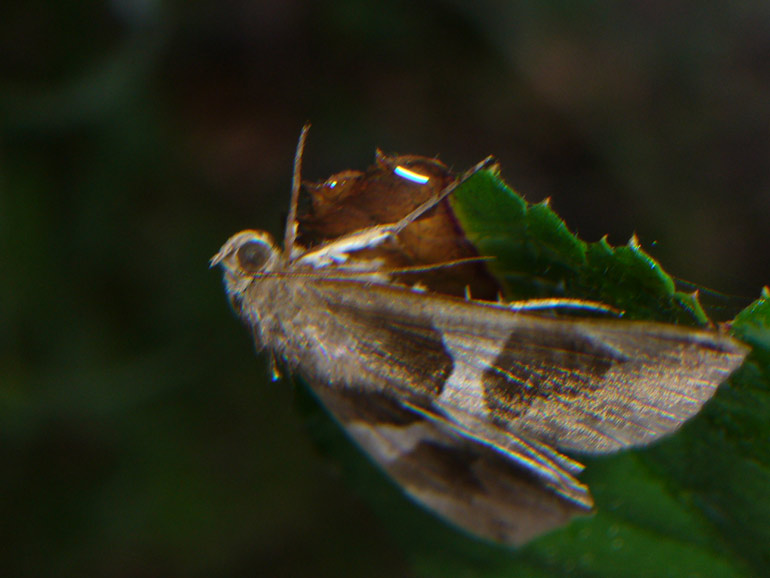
[290, 233]
[448, 190]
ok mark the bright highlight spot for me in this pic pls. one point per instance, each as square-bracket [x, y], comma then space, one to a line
[411, 175]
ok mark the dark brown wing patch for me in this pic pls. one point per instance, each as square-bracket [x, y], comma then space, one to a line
[405, 353]
[543, 363]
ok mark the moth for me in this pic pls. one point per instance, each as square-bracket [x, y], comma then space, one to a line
[467, 404]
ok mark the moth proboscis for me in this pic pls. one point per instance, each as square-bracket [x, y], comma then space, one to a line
[467, 404]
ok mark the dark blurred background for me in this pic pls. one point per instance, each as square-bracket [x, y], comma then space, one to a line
[139, 435]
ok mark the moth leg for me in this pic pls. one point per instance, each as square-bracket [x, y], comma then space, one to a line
[275, 371]
[338, 250]
[561, 303]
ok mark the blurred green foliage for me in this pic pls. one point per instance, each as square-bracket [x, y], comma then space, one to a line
[139, 435]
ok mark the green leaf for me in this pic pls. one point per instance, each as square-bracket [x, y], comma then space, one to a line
[695, 504]
[537, 256]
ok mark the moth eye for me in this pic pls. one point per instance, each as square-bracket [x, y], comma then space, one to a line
[253, 256]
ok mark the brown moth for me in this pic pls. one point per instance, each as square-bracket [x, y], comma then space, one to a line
[467, 404]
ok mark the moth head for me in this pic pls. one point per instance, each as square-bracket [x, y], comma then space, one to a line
[246, 255]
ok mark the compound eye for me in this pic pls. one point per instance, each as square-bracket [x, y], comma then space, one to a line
[253, 256]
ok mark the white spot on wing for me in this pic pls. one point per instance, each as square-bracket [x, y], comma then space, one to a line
[389, 442]
[463, 392]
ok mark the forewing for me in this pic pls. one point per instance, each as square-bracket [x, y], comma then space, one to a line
[406, 357]
[602, 386]
[580, 384]
[470, 484]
